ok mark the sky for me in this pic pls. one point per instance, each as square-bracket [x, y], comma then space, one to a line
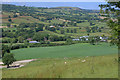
[53, 0]
[83, 5]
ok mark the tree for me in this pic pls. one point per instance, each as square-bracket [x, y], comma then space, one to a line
[26, 43]
[91, 24]
[14, 16]
[75, 24]
[62, 32]
[69, 41]
[101, 8]
[8, 25]
[88, 29]
[10, 20]
[46, 27]
[9, 16]
[20, 39]
[14, 40]
[99, 30]
[67, 30]
[114, 8]
[57, 28]
[39, 36]
[8, 59]
[42, 19]
[40, 28]
[97, 39]
[15, 25]
[5, 49]
[92, 41]
[88, 34]
[49, 21]
[71, 31]
[52, 29]
[75, 30]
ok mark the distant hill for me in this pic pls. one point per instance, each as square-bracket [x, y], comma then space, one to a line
[68, 21]
[73, 8]
[24, 14]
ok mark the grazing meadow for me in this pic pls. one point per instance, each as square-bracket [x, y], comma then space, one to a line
[79, 67]
[73, 61]
[75, 50]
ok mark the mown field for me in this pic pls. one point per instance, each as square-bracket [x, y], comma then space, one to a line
[75, 50]
[93, 67]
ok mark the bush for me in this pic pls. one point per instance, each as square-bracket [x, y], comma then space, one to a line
[46, 45]
[18, 46]
[69, 41]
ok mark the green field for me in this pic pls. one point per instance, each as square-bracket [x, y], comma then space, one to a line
[94, 67]
[101, 61]
[27, 19]
[84, 24]
[76, 50]
[57, 21]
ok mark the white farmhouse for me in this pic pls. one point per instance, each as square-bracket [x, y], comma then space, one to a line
[84, 37]
[103, 38]
[52, 26]
[75, 39]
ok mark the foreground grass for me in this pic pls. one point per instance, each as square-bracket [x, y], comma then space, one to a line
[76, 50]
[94, 67]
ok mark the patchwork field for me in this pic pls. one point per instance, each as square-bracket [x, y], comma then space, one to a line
[76, 50]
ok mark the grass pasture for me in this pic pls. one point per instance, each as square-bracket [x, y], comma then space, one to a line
[94, 67]
[76, 35]
[101, 61]
[83, 24]
[53, 33]
[76, 50]
[27, 19]
[57, 21]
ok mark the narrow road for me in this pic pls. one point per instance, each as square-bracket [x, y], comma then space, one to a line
[18, 64]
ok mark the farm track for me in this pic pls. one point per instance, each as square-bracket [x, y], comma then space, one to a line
[18, 64]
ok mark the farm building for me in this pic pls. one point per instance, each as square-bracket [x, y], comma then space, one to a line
[75, 39]
[103, 38]
[29, 39]
[33, 42]
[84, 37]
[52, 26]
[18, 14]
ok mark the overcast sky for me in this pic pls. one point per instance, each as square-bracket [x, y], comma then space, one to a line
[53, 0]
